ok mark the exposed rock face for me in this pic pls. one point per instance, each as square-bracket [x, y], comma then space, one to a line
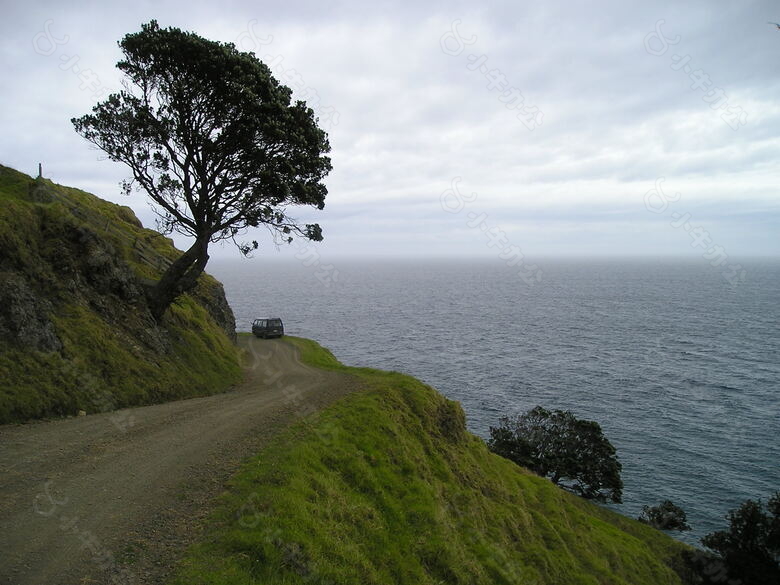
[94, 271]
[100, 265]
[76, 330]
[84, 267]
[25, 316]
[213, 298]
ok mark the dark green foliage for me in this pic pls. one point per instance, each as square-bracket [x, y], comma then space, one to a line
[750, 548]
[665, 516]
[214, 140]
[699, 567]
[556, 444]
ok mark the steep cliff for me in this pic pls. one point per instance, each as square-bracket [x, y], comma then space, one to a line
[388, 486]
[75, 331]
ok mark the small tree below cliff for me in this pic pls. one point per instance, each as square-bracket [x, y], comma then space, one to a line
[214, 140]
[573, 453]
[665, 516]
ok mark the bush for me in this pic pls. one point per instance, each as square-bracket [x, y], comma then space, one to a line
[750, 548]
[665, 516]
[557, 445]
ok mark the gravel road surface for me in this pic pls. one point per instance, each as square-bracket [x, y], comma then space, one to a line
[97, 500]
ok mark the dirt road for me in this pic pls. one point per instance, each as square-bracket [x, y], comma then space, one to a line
[93, 500]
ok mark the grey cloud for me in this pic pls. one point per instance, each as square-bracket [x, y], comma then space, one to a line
[412, 117]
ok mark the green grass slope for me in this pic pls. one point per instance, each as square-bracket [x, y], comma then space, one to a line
[75, 332]
[388, 487]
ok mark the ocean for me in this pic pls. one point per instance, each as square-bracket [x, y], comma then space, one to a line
[680, 367]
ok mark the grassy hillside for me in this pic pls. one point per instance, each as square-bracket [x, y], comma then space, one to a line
[75, 332]
[387, 486]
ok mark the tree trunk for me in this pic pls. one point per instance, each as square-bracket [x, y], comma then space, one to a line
[181, 277]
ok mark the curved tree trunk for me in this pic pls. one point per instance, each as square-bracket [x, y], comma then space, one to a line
[181, 277]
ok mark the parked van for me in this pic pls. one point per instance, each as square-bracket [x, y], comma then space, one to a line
[266, 328]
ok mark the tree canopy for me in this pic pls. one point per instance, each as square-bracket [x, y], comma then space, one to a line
[573, 453]
[216, 142]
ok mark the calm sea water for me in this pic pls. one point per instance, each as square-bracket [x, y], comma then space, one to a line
[680, 368]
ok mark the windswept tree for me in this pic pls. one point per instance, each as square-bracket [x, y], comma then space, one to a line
[572, 452]
[215, 141]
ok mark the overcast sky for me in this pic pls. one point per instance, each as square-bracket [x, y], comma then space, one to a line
[554, 121]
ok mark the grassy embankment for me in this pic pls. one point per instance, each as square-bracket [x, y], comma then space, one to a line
[386, 486]
[69, 251]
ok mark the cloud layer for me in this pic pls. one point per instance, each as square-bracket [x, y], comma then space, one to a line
[604, 117]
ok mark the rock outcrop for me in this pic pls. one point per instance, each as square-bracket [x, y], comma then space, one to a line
[73, 275]
[25, 318]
